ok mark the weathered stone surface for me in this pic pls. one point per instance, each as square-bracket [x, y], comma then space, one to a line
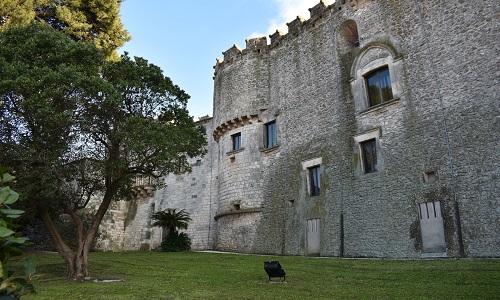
[443, 62]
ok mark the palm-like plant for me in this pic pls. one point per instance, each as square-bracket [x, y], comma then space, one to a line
[171, 220]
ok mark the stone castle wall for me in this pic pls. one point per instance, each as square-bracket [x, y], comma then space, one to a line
[436, 140]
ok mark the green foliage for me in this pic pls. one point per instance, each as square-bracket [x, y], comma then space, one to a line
[44, 78]
[175, 242]
[96, 21]
[16, 12]
[12, 287]
[89, 126]
[171, 219]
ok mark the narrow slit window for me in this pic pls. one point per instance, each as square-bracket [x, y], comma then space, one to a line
[271, 139]
[379, 86]
[314, 180]
[369, 155]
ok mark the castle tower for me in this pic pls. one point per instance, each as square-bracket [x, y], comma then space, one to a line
[334, 139]
[368, 130]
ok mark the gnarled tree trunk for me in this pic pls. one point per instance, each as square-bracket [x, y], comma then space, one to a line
[76, 259]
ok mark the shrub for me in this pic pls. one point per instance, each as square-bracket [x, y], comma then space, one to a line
[10, 240]
[175, 242]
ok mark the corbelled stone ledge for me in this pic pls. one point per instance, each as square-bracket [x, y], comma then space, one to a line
[236, 212]
[234, 123]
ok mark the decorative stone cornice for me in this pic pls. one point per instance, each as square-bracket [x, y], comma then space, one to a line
[234, 123]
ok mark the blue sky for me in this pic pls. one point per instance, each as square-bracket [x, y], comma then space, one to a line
[184, 38]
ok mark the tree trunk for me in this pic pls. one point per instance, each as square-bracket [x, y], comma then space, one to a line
[81, 265]
[62, 248]
[76, 261]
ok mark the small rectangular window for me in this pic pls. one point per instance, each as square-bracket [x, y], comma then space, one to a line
[314, 181]
[369, 155]
[379, 86]
[271, 140]
[236, 141]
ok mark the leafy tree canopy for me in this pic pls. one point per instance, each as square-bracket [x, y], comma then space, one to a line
[78, 127]
[96, 21]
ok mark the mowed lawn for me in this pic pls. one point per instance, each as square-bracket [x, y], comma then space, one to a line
[206, 275]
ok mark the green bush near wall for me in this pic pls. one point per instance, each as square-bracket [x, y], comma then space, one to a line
[175, 242]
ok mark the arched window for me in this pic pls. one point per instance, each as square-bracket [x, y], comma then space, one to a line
[376, 77]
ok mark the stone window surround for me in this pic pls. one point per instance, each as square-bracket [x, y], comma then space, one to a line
[376, 134]
[305, 168]
[369, 155]
[358, 81]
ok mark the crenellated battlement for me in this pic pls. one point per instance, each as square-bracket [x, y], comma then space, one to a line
[318, 9]
[256, 44]
[232, 53]
[276, 37]
[295, 28]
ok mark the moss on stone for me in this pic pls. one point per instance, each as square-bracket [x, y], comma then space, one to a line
[131, 212]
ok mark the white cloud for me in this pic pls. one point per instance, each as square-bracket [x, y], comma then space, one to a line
[288, 10]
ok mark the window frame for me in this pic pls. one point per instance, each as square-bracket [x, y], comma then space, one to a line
[369, 158]
[274, 136]
[306, 167]
[236, 142]
[383, 96]
[314, 174]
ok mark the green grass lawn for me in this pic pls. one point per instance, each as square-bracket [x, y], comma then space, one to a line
[192, 275]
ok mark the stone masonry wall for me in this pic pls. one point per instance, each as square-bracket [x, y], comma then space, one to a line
[435, 141]
[318, 96]
[195, 192]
